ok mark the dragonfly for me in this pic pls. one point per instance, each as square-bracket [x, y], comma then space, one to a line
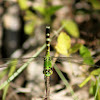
[48, 68]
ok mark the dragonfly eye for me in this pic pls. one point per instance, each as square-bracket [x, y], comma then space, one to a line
[46, 70]
[45, 59]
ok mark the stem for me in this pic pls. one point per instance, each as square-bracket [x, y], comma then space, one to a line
[12, 77]
[65, 82]
[97, 87]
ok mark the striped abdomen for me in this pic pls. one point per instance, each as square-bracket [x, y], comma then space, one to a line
[48, 38]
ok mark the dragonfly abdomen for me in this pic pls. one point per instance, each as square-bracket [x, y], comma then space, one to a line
[48, 38]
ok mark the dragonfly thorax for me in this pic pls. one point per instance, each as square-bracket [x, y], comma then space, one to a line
[47, 66]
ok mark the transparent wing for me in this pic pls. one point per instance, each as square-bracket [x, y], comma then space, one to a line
[77, 60]
[4, 62]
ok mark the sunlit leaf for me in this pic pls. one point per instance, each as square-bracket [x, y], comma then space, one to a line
[51, 10]
[23, 4]
[30, 19]
[96, 72]
[29, 16]
[40, 9]
[85, 81]
[95, 4]
[63, 44]
[71, 27]
[86, 55]
[75, 48]
[29, 28]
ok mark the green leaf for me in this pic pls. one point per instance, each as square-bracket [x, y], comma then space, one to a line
[23, 4]
[63, 44]
[12, 66]
[85, 53]
[29, 28]
[91, 89]
[40, 9]
[71, 27]
[3, 73]
[29, 16]
[75, 48]
[97, 89]
[96, 72]
[47, 12]
[30, 19]
[51, 10]
[95, 4]
[85, 81]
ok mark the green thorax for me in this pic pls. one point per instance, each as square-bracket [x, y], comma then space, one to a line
[47, 65]
[47, 62]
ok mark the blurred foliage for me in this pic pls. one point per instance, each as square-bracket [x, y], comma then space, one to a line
[47, 12]
[3, 73]
[85, 81]
[75, 48]
[23, 4]
[95, 72]
[63, 44]
[92, 74]
[86, 55]
[32, 19]
[95, 89]
[71, 27]
[12, 66]
[95, 4]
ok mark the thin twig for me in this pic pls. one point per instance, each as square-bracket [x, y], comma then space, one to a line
[12, 77]
[62, 76]
[65, 82]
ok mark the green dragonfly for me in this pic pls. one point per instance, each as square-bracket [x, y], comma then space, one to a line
[47, 59]
[47, 71]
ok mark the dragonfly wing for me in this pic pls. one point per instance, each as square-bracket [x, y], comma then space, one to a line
[6, 61]
[69, 59]
[77, 60]
[5, 65]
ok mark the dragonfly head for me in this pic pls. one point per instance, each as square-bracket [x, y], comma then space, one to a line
[47, 72]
